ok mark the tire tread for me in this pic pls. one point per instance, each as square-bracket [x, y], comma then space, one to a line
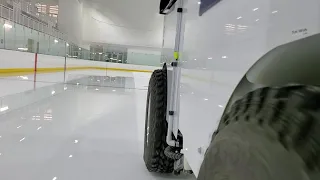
[154, 156]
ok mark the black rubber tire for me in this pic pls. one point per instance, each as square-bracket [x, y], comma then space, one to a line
[155, 143]
[270, 134]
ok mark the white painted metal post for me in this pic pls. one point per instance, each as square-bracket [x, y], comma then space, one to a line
[175, 81]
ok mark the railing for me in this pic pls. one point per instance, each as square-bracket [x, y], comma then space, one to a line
[14, 36]
[28, 8]
[8, 14]
[27, 16]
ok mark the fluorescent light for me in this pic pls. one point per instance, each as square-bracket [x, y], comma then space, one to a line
[98, 80]
[257, 20]
[22, 139]
[78, 83]
[55, 178]
[100, 53]
[70, 156]
[199, 2]
[220, 106]
[239, 17]
[19, 127]
[65, 88]
[206, 99]
[224, 57]
[39, 128]
[4, 108]
[97, 89]
[56, 41]
[114, 90]
[68, 44]
[53, 92]
[255, 9]
[273, 12]
[8, 26]
[209, 57]
[23, 49]
[76, 141]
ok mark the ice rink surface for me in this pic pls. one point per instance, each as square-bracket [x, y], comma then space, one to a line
[76, 126]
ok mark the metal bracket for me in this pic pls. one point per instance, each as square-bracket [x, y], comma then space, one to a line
[174, 64]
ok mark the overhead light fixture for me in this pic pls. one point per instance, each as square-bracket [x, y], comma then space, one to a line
[257, 20]
[209, 57]
[65, 88]
[53, 92]
[220, 106]
[195, 59]
[100, 53]
[273, 12]
[9, 26]
[19, 127]
[76, 141]
[224, 57]
[114, 90]
[255, 9]
[68, 44]
[22, 139]
[205, 99]
[199, 2]
[39, 128]
[97, 89]
[239, 17]
[70, 156]
[56, 41]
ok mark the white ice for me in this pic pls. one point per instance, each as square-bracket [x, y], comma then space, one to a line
[93, 130]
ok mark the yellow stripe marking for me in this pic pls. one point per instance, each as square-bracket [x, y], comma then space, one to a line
[23, 71]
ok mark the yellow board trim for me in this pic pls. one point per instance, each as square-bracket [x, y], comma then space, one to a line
[23, 71]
